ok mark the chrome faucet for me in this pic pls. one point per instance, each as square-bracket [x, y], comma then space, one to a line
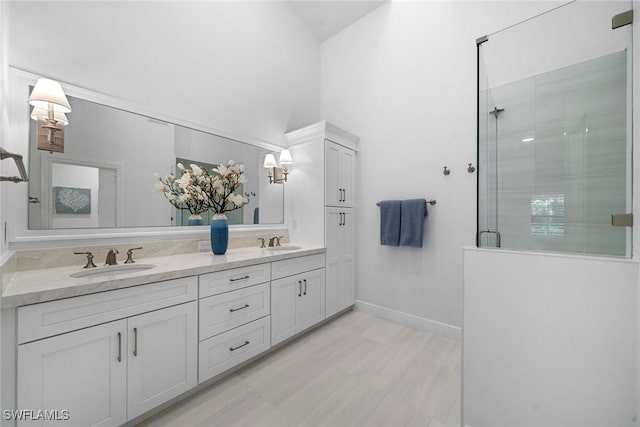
[111, 257]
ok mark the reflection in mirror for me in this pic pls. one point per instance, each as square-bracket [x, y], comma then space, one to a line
[105, 177]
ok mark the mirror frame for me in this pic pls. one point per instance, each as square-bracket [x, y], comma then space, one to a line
[16, 229]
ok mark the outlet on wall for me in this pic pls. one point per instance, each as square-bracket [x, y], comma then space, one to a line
[204, 245]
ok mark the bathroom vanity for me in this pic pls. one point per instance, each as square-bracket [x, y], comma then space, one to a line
[111, 347]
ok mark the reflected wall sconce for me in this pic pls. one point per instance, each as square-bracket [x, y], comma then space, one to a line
[50, 105]
[278, 171]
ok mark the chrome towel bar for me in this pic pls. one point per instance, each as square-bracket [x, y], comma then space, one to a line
[431, 202]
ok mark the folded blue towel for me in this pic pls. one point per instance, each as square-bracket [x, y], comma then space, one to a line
[390, 222]
[413, 212]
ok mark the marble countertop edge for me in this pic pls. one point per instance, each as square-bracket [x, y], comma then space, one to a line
[36, 286]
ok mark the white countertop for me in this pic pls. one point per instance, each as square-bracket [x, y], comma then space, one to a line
[34, 286]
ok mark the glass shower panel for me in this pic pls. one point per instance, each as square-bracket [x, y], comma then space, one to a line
[554, 133]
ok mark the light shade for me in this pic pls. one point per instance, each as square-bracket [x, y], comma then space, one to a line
[48, 91]
[42, 113]
[270, 161]
[285, 157]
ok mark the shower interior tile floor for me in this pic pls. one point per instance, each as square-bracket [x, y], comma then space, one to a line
[357, 370]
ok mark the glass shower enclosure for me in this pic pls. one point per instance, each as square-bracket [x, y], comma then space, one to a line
[554, 132]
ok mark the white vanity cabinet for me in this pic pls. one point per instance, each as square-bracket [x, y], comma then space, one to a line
[297, 300]
[339, 175]
[340, 260]
[112, 372]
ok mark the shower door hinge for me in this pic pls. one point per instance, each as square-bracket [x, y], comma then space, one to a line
[481, 40]
[622, 19]
[622, 220]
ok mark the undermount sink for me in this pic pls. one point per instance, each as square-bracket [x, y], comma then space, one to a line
[284, 248]
[110, 270]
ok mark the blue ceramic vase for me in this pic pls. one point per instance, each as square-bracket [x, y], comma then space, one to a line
[194, 220]
[219, 234]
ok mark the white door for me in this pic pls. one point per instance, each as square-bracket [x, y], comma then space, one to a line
[162, 356]
[311, 307]
[285, 296]
[83, 372]
[333, 191]
[108, 198]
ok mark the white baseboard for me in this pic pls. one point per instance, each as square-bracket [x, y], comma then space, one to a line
[410, 320]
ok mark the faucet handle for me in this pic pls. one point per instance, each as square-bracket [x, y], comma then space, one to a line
[261, 242]
[89, 255]
[130, 255]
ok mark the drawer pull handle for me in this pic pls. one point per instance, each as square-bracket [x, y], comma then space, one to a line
[119, 347]
[239, 308]
[135, 342]
[305, 286]
[300, 292]
[240, 346]
[240, 278]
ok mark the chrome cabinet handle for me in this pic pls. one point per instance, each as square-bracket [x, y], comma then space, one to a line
[135, 342]
[240, 346]
[240, 278]
[119, 347]
[300, 284]
[344, 218]
[305, 286]
[239, 308]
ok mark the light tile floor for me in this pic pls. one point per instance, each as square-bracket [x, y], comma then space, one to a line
[357, 370]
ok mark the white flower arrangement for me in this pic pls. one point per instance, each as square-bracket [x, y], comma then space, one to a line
[198, 191]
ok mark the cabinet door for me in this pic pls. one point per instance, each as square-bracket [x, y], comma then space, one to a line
[333, 221]
[310, 307]
[162, 356]
[346, 175]
[285, 294]
[346, 272]
[333, 193]
[83, 372]
[340, 259]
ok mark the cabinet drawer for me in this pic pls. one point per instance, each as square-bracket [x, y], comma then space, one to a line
[289, 267]
[227, 350]
[220, 313]
[56, 317]
[237, 278]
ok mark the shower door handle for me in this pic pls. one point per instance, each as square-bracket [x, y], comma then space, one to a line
[622, 220]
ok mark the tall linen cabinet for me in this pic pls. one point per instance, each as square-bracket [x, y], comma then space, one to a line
[320, 202]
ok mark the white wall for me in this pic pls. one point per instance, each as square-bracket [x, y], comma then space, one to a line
[548, 340]
[247, 68]
[403, 79]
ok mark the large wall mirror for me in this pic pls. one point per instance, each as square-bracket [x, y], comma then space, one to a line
[105, 176]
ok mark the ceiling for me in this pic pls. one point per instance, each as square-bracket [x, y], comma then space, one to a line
[329, 17]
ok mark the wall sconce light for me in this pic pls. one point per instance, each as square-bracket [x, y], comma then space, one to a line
[50, 105]
[278, 175]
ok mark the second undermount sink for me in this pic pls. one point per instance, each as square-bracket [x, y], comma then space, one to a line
[284, 248]
[110, 270]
